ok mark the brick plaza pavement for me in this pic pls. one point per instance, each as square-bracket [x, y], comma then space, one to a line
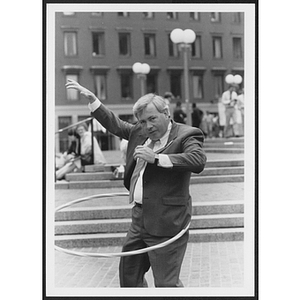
[217, 264]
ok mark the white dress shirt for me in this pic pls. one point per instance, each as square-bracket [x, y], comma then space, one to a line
[228, 97]
[163, 161]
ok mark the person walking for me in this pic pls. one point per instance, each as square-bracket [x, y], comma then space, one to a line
[161, 155]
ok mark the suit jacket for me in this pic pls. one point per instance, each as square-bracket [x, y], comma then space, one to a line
[167, 203]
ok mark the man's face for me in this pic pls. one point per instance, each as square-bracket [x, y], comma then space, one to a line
[154, 123]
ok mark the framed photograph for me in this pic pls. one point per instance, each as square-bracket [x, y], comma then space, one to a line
[199, 53]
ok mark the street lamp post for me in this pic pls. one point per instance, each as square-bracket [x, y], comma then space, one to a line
[141, 70]
[185, 38]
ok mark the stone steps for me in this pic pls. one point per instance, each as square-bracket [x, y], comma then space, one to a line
[99, 176]
[209, 164]
[223, 150]
[122, 225]
[92, 226]
[240, 140]
[119, 183]
[124, 211]
[224, 145]
[116, 239]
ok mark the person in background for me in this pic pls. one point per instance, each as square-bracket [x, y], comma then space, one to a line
[72, 152]
[240, 105]
[216, 126]
[229, 99]
[161, 155]
[207, 124]
[119, 171]
[179, 115]
[197, 116]
[237, 125]
[84, 153]
[86, 147]
[222, 116]
[169, 97]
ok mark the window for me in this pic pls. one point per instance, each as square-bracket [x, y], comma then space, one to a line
[72, 95]
[175, 82]
[124, 44]
[149, 42]
[123, 14]
[198, 86]
[98, 43]
[70, 43]
[237, 18]
[152, 83]
[126, 86]
[100, 86]
[196, 47]
[237, 48]
[172, 15]
[217, 47]
[173, 48]
[148, 15]
[215, 17]
[84, 117]
[218, 84]
[195, 16]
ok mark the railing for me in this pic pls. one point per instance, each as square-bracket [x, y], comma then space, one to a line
[75, 124]
[90, 119]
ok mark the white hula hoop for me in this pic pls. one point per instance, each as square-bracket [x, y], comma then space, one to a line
[117, 254]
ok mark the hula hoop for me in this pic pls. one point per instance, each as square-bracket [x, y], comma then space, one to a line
[117, 254]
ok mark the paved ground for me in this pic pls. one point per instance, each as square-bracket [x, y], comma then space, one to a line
[205, 265]
[218, 264]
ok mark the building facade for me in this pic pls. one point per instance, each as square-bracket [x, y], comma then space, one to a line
[98, 49]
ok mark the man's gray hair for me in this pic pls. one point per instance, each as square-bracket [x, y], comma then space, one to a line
[158, 101]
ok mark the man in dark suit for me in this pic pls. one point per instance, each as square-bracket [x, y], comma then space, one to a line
[161, 156]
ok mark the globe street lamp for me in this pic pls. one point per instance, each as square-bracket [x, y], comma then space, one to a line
[141, 70]
[184, 38]
[233, 79]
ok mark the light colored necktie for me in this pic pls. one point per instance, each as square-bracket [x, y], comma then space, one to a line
[136, 173]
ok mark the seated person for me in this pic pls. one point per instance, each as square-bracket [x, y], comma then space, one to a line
[72, 152]
[85, 153]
